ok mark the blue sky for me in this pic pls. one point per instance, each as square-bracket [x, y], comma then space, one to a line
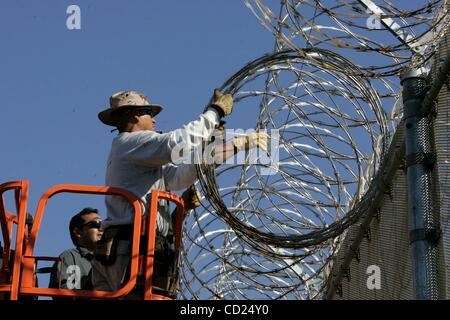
[54, 81]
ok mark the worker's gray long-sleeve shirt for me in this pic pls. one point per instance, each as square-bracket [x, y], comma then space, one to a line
[142, 161]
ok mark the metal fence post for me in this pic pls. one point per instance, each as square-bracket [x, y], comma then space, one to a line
[419, 161]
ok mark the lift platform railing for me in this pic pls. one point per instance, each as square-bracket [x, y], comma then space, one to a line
[23, 277]
[9, 279]
[156, 195]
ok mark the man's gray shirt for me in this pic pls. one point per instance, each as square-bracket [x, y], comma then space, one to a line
[74, 270]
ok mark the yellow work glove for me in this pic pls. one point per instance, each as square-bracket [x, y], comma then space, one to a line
[222, 103]
[252, 140]
[220, 130]
[191, 198]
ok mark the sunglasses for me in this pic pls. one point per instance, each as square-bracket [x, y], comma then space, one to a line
[94, 224]
[151, 113]
[144, 111]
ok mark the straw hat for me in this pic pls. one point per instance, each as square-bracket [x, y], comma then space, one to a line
[126, 100]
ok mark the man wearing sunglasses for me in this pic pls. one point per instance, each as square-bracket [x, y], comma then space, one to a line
[74, 271]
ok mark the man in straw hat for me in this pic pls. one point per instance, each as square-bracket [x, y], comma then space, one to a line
[140, 160]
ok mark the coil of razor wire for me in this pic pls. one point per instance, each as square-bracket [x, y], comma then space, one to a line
[311, 128]
[278, 229]
[384, 35]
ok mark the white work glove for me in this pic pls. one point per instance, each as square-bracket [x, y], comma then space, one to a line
[252, 140]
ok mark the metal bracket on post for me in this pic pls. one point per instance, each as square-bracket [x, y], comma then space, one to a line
[347, 274]
[432, 235]
[388, 192]
[356, 253]
[427, 159]
[378, 215]
[368, 234]
[339, 290]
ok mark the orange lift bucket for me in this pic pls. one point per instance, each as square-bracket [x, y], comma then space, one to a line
[18, 276]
